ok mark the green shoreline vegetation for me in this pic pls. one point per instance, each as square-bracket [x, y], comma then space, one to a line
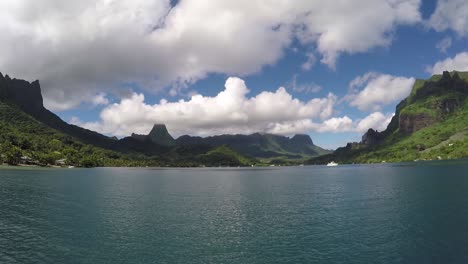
[26, 141]
[431, 124]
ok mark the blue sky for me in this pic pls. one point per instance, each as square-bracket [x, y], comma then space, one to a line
[105, 73]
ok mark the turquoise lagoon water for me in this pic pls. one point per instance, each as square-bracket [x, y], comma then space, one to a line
[388, 213]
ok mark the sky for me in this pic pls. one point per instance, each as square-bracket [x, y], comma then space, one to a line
[330, 69]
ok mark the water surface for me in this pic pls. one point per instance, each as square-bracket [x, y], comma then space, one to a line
[388, 213]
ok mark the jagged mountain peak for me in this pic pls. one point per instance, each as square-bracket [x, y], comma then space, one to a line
[158, 135]
[302, 139]
[26, 95]
[158, 129]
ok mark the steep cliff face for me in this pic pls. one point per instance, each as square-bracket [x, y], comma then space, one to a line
[371, 137]
[21, 93]
[301, 140]
[158, 135]
[27, 97]
[430, 102]
[412, 123]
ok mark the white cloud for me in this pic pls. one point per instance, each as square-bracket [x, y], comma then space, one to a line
[374, 90]
[231, 111]
[81, 48]
[376, 120]
[457, 63]
[355, 26]
[337, 124]
[451, 14]
[99, 99]
[444, 44]
[304, 126]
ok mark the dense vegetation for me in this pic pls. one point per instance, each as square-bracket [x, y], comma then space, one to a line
[31, 134]
[25, 140]
[265, 147]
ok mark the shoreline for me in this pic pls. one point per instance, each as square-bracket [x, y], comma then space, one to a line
[416, 162]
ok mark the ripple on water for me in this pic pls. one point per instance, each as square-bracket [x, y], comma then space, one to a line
[374, 214]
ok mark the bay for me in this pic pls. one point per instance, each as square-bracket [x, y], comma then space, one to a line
[384, 213]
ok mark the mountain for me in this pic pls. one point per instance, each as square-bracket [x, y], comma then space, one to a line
[24, 139]
[31, 134]
[262, 146]
[431, 123]
[258, 146]
[28, 98]
[30, 130]
[158, 135]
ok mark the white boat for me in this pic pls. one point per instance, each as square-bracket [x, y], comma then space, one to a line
[332, 164]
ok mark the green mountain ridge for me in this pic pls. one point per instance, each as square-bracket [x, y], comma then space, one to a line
[50, 140]
[262, 146]
[431, 123]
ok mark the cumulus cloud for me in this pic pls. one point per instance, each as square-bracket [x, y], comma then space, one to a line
[457, 63]
[450, 14]
[305, 126]
[377, 120]
[230, 111]
[373, 90]
[81, 48]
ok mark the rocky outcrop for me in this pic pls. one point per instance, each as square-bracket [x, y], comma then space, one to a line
[27, 97]
[301, 139]
[436, 110]
[24, 94]
[158, 135]
[446, 106]
[412, 123]
[371, 137]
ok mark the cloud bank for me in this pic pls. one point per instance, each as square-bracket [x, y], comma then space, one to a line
[80, 49]
[451, 14]
[373, 90]
[457, 63]
[229, 112]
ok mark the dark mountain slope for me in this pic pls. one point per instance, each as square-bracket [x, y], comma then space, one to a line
[261, 145]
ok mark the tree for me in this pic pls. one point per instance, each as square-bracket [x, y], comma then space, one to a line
[11, 154]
